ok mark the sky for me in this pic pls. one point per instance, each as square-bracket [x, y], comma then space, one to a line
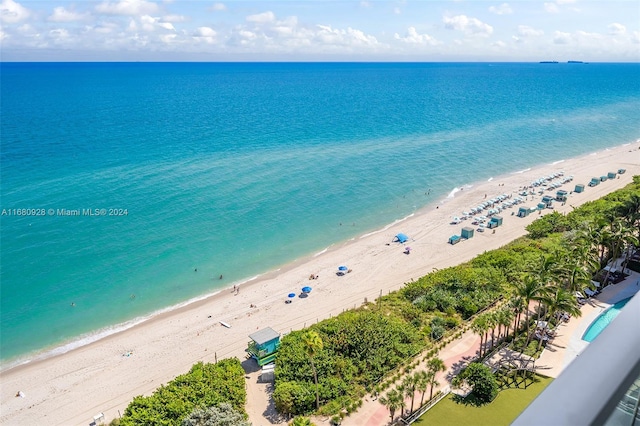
[320, 30]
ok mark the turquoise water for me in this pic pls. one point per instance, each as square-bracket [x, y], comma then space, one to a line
[603, 321]
[237, 169]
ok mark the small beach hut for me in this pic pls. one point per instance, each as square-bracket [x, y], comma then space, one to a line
[495, 222]
[264, 345]
[542, 206]
[579, 188]
[561, 195]
[548, 201]
[611, 175]
[603, 178]
[523, 211]
[594, 181]
[621, 171]
[401, 238]
[454, 239]
[467, 232]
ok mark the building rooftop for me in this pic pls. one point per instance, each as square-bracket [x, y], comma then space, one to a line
[265, 335]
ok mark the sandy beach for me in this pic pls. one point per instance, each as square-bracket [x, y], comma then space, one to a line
[71, 388]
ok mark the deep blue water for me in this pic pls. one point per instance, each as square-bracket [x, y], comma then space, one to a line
[237, 168]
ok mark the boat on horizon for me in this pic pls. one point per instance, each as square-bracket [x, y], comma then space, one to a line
[548, 62]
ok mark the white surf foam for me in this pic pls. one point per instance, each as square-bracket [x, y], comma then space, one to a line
[387, 226]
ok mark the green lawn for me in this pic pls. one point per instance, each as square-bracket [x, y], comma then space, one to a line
[502, 411]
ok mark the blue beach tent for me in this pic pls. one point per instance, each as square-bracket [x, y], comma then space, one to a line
[402, 238]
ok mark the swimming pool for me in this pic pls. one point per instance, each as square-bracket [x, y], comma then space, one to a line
[603, 321]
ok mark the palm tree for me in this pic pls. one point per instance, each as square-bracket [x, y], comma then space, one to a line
[392, 401]
[492, 322]
[409, 389]
[479, 326]
[505, 315]
[422, 382]
[561, 300]
[630, 212]
[529, 289]
[301, 421]
[313, 344]
[517, 305]
[434, 366]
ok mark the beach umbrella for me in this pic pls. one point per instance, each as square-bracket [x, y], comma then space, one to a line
[306, 289]
[342, 268]
[292, 295]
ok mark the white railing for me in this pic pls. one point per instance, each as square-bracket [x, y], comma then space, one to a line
[426, 407]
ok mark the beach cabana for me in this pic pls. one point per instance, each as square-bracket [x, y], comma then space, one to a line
[467, 232]
[603, 178]
[548, 201]
[263, 345]
[594, 181]
[579, 188]
[454, 239]
[542, 206]
[621, 171]
[611, 175]
[401, 238]
[561, 195]
[523, 211]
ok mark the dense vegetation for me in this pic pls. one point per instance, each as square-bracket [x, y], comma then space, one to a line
[204, 386]
[560, 255]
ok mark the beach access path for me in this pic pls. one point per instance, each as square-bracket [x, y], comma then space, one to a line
[70, 388]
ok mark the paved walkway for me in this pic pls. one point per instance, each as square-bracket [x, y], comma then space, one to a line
[455, 355]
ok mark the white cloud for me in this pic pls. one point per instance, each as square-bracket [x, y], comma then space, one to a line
[527, 31]
[470, 26]
[174, 18]
[218, 7]
[413, 37]
[349, 37]
[149, 23]
[565, 1]
[12, 12]
[551, 8]
[500, 44]
[60, 14]
[503, 9]
[635, 37]
[560, 37]
[262, 18]
[205, 32]
[127, 7]
[617, 29]
[59, 33]
[397, 11]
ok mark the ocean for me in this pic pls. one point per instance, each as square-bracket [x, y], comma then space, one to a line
[130, 188]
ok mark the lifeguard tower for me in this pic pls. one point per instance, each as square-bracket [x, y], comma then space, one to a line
[264, 345]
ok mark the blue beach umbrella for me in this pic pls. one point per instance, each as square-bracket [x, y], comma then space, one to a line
[292, 295]
[306, 289]
[342, 268]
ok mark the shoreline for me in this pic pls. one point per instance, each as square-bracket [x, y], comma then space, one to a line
[66, 388]
[109, 330]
